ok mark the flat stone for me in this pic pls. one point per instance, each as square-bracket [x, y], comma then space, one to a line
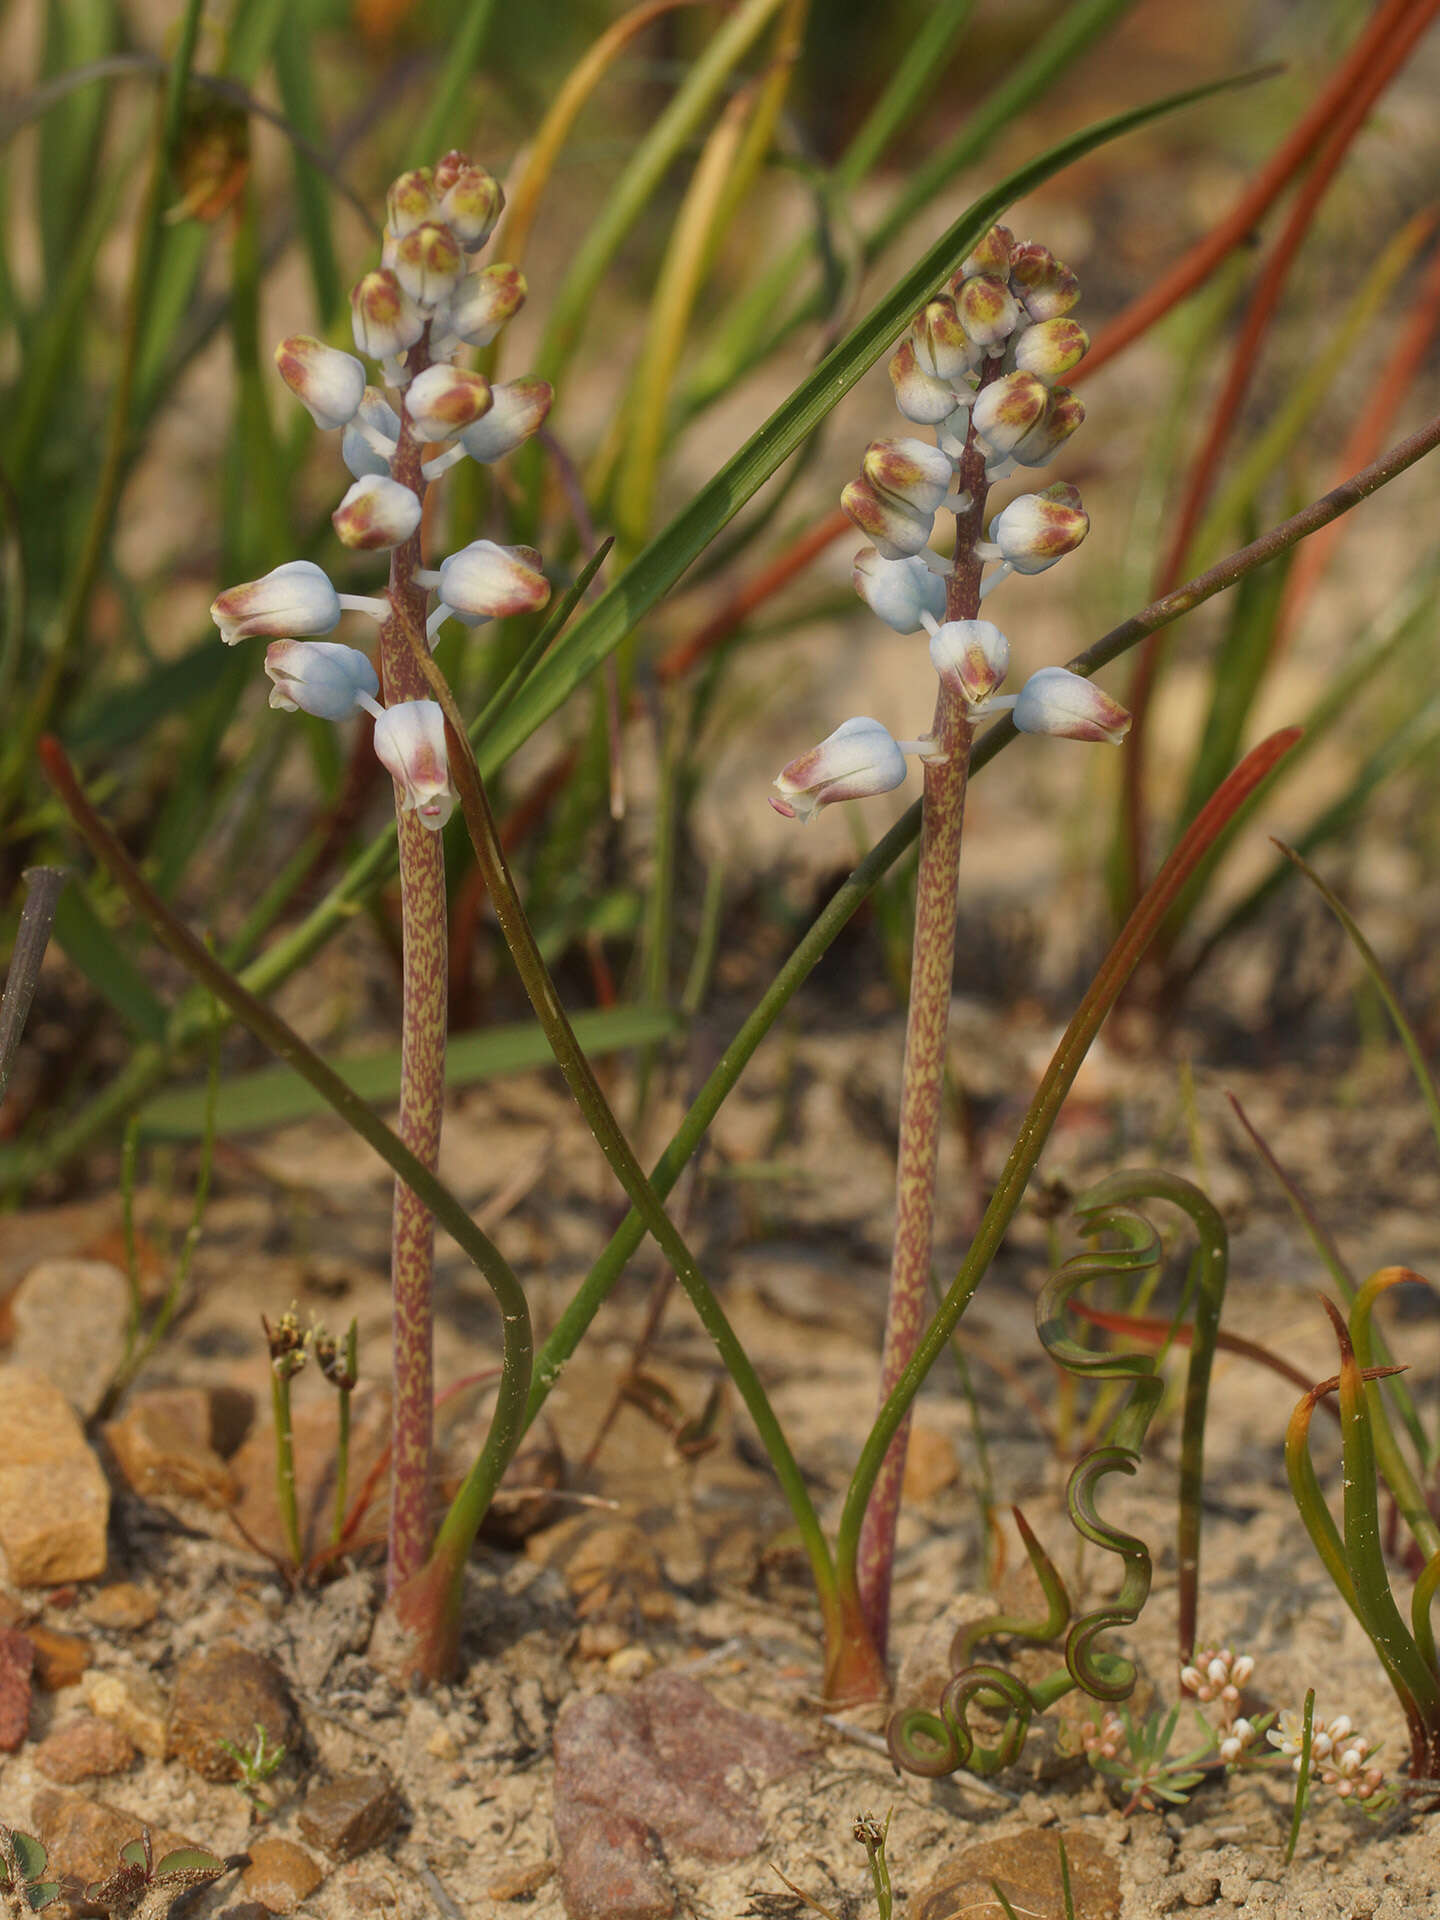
[349, 1815]
[134, 1702]
[162, 1445]
[607, 1871]
[280, 1875]
[224, 1693]
[17, 1659]
[54, 1500]
[60, 1658]
[70, 1318]
[122, 1607]
[670, 1760]
[85, 1749]
[931, 1464]
[84, 1837]
[1027, 1869]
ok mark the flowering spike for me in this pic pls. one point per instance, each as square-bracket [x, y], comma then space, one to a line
[941, 345]
[1064, 414]
[319, 677]
[427, 263]
[483, 302]
[471, 205]
[383, 317]
[895, 528]
[972, 657]
[898, 592]
[987, 309]
[1006, 410]
[1046, 288]
[410, 201]
[370, 438]
[328, 384]
[410, 744]
[296, 599]
[859, 759]
[443, 400]
[991, 255]
[919, 395]
[485, 581]
[1054, 700]
[448, 169]
[1051, 348]
[909, 470]
[1037, 529]
[377, 513]
[518, 410]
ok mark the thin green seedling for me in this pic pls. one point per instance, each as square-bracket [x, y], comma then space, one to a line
[287, 1348]
[342, 1370]
[256, 1763]
[1302, 1777]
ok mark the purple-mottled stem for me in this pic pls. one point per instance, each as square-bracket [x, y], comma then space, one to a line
[932, 966]
[422, 1068]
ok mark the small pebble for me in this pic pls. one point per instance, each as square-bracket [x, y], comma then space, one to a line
[84, 1749]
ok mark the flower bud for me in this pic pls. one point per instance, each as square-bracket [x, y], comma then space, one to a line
[1006, 410]
[376, 513]
[972, 657]
[448, 169]
[942, 346]
[893, 526]
[918, 394]
[483, 302]
[991, 255]
[328, 384]
[987, 309]
[443, 400]
[375, 413]
[383, 317]
[471, 205]
[410, 744]
[859, 759]
[909, 470]
[1037, 529]
[410, 201]
[898, 591]
[294, 599]
[319, 677]
[1054, 700]
[1064, 414]
[1046, 288]
[488, 582]
[518, 410]
[427, 263]
[1051, 348]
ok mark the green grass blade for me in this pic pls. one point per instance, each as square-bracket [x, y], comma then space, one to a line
[652, 160]
[665, 559]
[749, 333]
[1379, 979]
[442, 125]
[276, 1096]
[295, 76]
[89, 945]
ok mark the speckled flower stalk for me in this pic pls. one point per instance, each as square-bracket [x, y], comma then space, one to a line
[980, 365]
[936, 888]
[414, 314]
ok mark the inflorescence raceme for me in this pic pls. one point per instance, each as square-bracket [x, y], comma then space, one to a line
[414, 314]
[982, 366]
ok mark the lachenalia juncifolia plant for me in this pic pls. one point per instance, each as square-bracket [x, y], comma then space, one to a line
[982, 365]
[414, 315]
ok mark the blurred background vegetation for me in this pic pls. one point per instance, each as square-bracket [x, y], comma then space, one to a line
[184, 186]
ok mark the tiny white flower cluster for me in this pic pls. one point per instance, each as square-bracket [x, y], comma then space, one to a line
[1217, 1675]
[1337, 1753]
[981, 365]
[414, 314]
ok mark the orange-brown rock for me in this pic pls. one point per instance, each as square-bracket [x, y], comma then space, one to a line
[54, 1500]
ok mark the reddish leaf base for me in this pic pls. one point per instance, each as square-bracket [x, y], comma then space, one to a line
[417, 1637]
[854, 1667]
